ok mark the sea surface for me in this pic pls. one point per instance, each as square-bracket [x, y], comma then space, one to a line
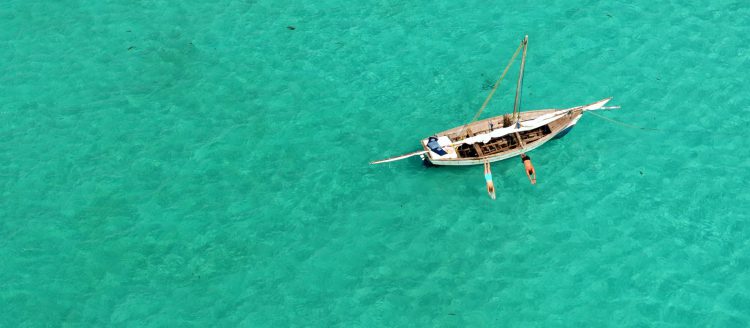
[205, 164]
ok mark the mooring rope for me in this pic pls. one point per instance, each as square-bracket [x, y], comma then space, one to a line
[660, 130]
[623, 123]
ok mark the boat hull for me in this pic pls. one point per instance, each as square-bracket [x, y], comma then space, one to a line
[563, 132]
[505, 155]
[559, 127]
[491, 142]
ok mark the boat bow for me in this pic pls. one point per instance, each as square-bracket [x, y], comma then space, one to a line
[594, 106]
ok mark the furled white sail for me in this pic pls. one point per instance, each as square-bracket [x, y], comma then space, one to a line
[522, 126]
[528, 125]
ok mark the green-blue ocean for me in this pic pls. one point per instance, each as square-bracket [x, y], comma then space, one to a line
[205, 164]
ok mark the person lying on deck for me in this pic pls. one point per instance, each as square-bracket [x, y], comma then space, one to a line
[488, 178]
[530, 172]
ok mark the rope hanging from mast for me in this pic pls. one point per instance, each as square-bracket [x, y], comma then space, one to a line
[494, 88]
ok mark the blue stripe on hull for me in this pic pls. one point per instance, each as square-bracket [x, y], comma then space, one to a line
[564, 132]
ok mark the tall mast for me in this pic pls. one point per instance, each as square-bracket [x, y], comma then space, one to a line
[517, 103]
[494, 88]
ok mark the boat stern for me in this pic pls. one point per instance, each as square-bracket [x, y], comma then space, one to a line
[439, 148]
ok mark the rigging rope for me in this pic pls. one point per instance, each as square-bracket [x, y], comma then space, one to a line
[519, 91]
[494, 88]
[702, 130]
[622, 123]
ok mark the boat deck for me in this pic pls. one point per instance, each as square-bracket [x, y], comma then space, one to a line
[505, 146]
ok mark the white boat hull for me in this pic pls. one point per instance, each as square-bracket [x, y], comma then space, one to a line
[505, 155]
[562, 121]
[576, 111]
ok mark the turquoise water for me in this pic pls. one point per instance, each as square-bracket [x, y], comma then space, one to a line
[197, 164]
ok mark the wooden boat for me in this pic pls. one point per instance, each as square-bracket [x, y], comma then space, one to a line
[500, 137]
